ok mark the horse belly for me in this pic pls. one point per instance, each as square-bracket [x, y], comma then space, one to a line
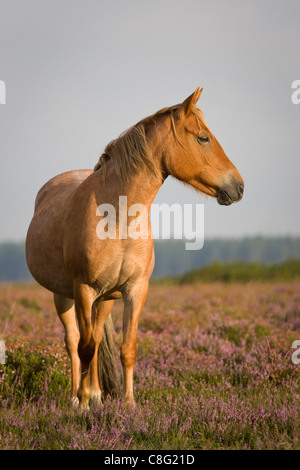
[44, 242]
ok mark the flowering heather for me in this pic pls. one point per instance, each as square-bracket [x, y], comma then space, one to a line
[213, 371]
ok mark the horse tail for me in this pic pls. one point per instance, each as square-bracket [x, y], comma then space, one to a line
[107, 366]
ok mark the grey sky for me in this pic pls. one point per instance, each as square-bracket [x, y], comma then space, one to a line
[78, 73]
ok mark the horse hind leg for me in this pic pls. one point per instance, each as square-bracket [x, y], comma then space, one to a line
[66, 312]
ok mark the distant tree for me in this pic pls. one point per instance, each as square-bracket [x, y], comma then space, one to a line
[13, 265]
[172, 259]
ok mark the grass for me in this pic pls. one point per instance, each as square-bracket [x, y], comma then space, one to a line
[213, 371]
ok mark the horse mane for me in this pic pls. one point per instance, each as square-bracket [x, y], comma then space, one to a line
[130, 152]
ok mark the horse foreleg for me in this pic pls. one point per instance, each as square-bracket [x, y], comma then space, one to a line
[134, 299]
[101, 310]
[83, 296]
[66, 312]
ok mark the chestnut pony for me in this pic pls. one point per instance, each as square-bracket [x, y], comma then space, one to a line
[86, 273]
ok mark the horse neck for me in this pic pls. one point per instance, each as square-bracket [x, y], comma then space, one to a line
[141, 186]
[144, 185]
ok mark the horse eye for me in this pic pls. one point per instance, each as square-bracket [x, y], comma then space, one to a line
[203, 140]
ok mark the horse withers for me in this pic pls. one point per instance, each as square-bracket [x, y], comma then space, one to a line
[87, 272]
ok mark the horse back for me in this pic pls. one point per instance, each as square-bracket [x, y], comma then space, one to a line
[60, 186]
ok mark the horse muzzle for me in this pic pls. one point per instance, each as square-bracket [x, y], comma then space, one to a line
[230, 193]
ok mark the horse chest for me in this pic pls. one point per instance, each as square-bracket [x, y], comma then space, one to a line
[114, 274]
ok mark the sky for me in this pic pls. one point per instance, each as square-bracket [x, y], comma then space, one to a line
[78, 73]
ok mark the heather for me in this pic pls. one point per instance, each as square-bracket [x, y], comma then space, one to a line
[213, 371]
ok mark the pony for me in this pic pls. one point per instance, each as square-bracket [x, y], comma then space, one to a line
[86, 272]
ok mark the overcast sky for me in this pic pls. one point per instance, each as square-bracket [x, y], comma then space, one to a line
[78, 73]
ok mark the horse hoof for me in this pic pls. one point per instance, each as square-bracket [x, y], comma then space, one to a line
[129, 404]
[75, 402]
[84, 407]
[95, 400]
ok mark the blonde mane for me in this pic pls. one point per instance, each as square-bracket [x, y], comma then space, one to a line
[130, 152]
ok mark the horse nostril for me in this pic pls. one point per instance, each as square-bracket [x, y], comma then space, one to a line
[241, 189]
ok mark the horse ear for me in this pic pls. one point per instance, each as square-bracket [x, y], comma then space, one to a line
[190, 102]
